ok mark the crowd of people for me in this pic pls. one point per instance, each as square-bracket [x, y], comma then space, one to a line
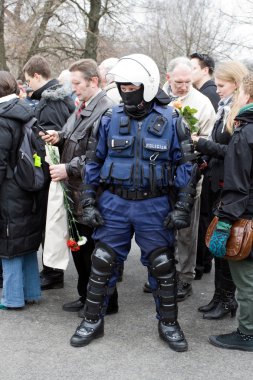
[133, 166]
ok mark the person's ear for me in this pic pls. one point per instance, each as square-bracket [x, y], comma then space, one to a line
[94, 82]
[37, 76]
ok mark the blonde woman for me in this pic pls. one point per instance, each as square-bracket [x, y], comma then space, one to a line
[236, 203]
[228, 77]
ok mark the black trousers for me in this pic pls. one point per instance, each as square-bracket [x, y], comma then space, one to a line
[82, 260]
[222, 276]
[208, 202]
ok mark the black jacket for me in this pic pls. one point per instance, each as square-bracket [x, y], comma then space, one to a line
[55, 105]
[237, 195]
[209, 89]
[53, 110]
[216, 150]
[20, 212]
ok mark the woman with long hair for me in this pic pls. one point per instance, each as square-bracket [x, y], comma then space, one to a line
[228, 77]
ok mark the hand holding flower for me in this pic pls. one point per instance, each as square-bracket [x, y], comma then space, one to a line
[58, 172]
[187, 113]
[52, 137]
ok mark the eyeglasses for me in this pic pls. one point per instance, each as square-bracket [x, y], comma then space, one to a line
[209, 62]
[180, 84]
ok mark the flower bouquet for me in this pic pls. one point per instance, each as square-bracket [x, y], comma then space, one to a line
[61, 228]
[188, 115]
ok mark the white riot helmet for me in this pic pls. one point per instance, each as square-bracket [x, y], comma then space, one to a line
[138, 69]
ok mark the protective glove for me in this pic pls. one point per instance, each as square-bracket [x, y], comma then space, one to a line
[177, 219]
[91, 216]
[218, 241]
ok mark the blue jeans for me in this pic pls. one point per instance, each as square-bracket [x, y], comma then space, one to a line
[21, 280]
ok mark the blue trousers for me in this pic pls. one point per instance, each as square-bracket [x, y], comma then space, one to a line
[144, 218]
[21, 280]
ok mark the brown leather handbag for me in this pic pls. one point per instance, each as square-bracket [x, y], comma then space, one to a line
[240, 240]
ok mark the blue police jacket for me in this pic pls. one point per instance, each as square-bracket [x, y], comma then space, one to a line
[139, 154]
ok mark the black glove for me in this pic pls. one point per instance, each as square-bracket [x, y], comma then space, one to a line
[91, 216]
[177, 219]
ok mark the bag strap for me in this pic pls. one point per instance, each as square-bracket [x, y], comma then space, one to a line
[14, 152]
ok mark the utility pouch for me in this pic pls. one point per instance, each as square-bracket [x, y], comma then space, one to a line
[157, 125]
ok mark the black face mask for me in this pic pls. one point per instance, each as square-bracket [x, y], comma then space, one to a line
[132, 99]
[134, 104]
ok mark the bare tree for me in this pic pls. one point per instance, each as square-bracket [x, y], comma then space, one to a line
[27, 24]
[177, 28]
[93, 12]
[3, 64]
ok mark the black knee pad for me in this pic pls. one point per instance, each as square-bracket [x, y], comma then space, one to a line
[162, 268]
[103, 263]
[103, 260]
[162, 263]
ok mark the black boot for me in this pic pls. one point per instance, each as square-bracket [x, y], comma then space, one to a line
[147, 287]
[213, 303]
[226, 305]
[51, 278]
[235, 341]
[113, 306]
[87, 331]
[172, 334]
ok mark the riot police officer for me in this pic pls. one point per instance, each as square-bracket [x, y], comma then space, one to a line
[142, 151]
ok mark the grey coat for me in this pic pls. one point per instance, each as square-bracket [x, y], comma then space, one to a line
[73, 144]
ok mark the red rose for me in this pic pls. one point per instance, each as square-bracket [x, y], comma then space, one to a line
[72, 244]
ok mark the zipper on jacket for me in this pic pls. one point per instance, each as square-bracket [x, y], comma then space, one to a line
[138, 149]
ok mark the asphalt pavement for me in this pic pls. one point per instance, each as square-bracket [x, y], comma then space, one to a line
[35, 341]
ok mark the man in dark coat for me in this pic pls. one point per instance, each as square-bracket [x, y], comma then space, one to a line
[73, 141]
[203, 68]
[53, 109]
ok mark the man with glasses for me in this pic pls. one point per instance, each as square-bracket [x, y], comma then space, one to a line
[203, 68]
[179, 86]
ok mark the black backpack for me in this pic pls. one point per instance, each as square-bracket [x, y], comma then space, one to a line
[28, 170]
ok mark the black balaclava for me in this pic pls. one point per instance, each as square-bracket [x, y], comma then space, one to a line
[134, 104]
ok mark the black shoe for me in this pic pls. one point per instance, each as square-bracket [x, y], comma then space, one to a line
[198, 274]
[221, 310]
[208, 267]
[51, 283]
[234, 341]
[184, 290]
[173, 335]
[86, 332]
[73, 306]
[147, 288]
[213, 303]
